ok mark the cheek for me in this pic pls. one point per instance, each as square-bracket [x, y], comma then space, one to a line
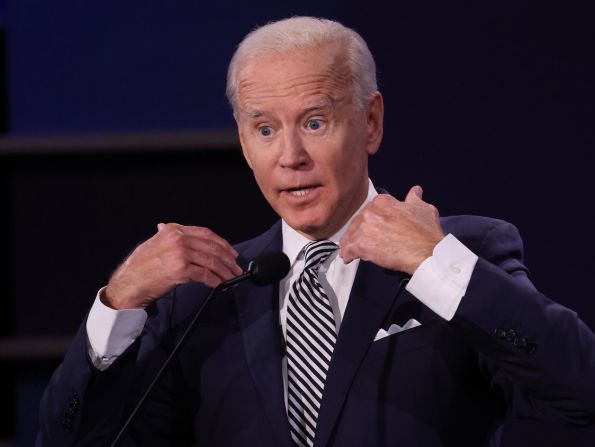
[348, 165]
[259, 160]
[349, 149]
[263, 173]
[261, 176]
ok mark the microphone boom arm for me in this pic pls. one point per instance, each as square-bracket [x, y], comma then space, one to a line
[275, 266]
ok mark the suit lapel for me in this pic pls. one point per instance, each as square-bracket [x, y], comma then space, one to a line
[372, 296]
[258, 313]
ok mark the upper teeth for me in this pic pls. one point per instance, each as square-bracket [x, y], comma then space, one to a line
[300, 192]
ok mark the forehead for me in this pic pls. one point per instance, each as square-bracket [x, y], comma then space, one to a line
[315, 75]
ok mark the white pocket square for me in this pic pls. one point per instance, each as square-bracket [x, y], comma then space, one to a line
[395, 329]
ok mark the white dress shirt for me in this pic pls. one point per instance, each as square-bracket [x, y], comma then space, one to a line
[440, 283]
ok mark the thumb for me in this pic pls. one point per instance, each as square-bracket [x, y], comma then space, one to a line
[415, 193]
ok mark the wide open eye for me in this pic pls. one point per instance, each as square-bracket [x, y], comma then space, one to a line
[265, 131]
[314, 124]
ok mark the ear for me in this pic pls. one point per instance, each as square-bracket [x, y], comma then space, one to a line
[243, 142]
[374, 122]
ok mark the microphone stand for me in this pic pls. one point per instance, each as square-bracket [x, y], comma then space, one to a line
[179, 345]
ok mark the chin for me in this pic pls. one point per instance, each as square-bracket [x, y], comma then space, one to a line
[311, 221]
[308, 228]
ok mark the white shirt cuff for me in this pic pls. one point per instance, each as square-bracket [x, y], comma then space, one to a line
[440, 282]
[111, 331]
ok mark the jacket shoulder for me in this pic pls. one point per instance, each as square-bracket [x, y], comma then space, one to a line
[493, 239]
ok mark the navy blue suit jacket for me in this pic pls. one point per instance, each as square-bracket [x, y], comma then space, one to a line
[508, 348]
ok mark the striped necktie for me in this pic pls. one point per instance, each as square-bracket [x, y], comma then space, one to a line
[311, 336]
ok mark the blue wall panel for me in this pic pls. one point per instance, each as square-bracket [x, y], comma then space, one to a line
[133, 65]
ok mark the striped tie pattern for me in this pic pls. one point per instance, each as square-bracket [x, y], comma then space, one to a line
[311, 336]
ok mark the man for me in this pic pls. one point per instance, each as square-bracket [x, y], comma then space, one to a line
[393, 326]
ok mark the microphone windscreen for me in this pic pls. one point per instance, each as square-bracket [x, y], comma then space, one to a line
[268, 267]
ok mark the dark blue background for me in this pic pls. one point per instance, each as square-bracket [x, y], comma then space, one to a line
[489, 106]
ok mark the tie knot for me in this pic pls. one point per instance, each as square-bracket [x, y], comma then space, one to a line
[316, 252]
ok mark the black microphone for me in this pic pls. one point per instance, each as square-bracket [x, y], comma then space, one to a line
[267, 268]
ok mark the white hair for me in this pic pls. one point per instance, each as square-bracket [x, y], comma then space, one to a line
[296, 33]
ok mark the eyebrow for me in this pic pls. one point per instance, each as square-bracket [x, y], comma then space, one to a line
[253, 113]
[322, 104]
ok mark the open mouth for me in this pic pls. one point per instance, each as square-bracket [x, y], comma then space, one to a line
[301, 191]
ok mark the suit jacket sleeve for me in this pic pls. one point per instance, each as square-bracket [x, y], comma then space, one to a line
[537, 352]
[84, 406]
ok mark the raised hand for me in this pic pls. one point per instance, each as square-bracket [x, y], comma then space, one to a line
[176, 254]
[393, 234]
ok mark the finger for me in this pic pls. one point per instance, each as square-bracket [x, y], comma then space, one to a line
[208, 247]
[212, 263]
[347, 246]
[345, 241]
[344, 255]
[386, 197]
[205, 233]
[212, 248]
[415, 193]
[204, 276]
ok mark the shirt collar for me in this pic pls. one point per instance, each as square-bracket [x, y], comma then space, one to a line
[294, 242]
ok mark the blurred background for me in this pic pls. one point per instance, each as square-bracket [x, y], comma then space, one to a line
[113, 118]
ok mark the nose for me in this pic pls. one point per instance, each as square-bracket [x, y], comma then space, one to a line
[293, 154]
